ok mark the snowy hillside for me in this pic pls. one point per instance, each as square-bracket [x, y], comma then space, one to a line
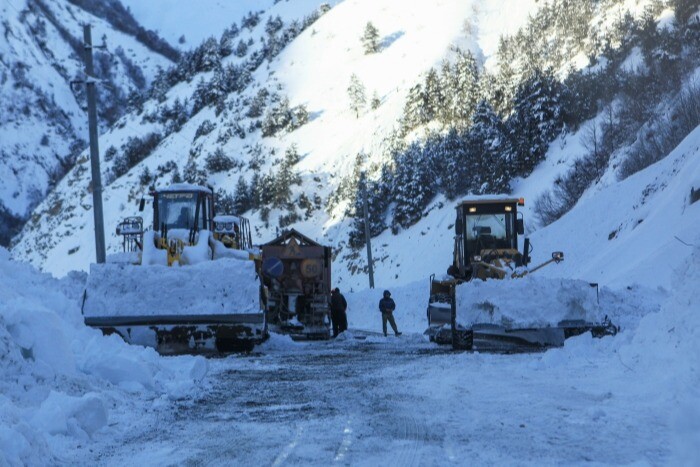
[187, 24]
[313, 71]
[43, 127]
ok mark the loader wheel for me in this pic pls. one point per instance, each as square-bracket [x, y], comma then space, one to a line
[462, 339]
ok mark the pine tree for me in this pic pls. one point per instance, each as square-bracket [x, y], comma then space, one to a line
[356, 92]
[490, 159]
[412, 109]
[466, 90]
[285, 178]
[255, 190]
[218, 161]
[224, 203]
[432, 98]
[226, 41]
[241, 49]
[413, 186]
[206, 56]
[241, 197]
[455, 166]
[537, 117]
[375, 102]
[370, 39]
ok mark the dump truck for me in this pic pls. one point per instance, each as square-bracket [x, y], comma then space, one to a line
[490, 299]
[189, 284]
[297, 273]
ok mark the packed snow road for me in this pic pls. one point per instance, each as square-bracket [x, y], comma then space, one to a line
[400, 401]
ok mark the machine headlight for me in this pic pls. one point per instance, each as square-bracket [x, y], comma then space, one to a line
[477, 258]
[219, 226]
[229, 226]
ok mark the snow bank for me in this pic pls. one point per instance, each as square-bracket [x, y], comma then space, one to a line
[224, 286]
[63, 382]
[528, 302]
[657, 363]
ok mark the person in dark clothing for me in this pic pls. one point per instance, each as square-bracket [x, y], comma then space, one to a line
[387, 307]
[339, 307]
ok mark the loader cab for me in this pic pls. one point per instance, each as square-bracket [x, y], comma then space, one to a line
[486, 229]
[182, 206]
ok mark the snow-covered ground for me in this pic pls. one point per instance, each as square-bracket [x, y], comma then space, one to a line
[62, 382]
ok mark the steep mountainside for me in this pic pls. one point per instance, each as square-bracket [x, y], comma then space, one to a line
[43, 127]
[288, 107]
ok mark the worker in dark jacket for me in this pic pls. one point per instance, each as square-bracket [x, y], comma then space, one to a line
[387, 307]
[339, 307]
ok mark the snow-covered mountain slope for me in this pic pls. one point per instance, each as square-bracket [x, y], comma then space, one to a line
[42, 124]
[187, 24]
[314, 70]
[636, 231]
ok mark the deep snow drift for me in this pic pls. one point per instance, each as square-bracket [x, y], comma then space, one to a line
[64, 383]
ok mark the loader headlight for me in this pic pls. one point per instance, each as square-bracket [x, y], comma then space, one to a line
[229, 226]
[558, 256]
[477, 258]
[219, 226]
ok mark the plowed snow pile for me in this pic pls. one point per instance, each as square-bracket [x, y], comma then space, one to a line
[226, 286]
[527, 302]
[64, 384]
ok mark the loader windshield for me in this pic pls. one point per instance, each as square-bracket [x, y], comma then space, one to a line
[177, 210]
[490, 232]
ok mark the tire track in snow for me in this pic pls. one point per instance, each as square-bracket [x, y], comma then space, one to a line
[341, 454]
[289, 448]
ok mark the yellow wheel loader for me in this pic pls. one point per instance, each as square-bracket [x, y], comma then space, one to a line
[489, 301]
[190, 284]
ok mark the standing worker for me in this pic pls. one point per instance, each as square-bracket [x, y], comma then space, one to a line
[338, 312]
[387, 307]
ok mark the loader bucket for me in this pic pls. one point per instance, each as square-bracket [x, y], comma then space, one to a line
[209, 306]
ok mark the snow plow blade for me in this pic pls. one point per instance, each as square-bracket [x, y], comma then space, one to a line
[525, 314]
[213, 306]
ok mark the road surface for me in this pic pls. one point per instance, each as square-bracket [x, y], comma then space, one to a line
[397, 401]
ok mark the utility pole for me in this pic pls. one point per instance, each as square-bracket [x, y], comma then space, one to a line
[94, 148]
[367, 236]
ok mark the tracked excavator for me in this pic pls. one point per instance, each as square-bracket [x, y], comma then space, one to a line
[491, 300]
[190, 284]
